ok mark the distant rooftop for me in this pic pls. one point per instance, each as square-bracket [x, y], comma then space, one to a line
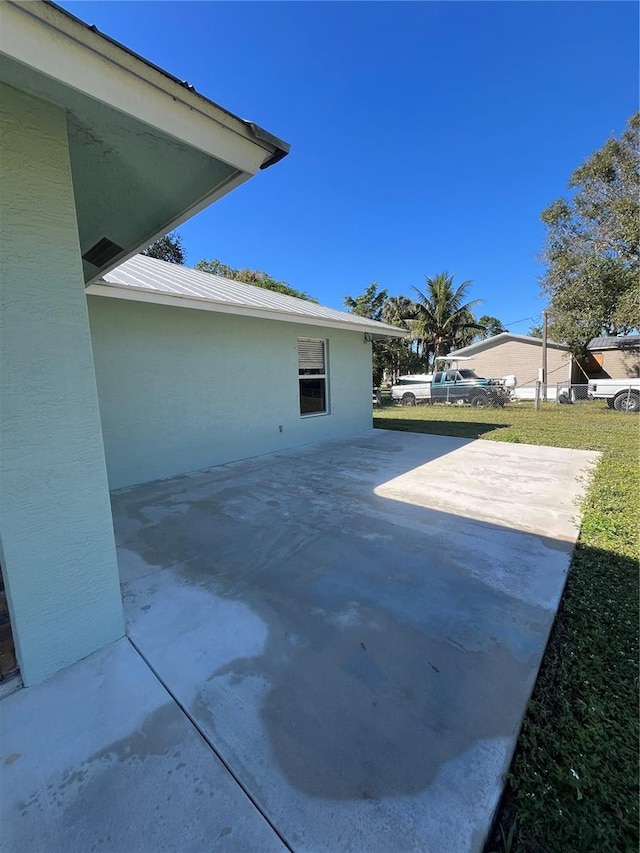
[150, 280]
[501, 338]
[614, 342]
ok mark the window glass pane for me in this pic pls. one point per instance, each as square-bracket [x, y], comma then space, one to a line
[312, 396]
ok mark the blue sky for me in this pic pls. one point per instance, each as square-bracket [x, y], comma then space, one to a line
[425, 136]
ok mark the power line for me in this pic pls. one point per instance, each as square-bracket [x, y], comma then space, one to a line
[515, 322]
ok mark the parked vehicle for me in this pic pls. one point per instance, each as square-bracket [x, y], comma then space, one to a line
[620, 394]
[410, 390]
[451, 386]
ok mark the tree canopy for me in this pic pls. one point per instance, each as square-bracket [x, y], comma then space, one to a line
[442, 319]
[369, 304]
[491, 327]
[168, 248]
[438, 321]
[255, 277]
[592, 248]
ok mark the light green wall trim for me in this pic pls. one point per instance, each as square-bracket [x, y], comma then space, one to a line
[58, 553]
[181, 389]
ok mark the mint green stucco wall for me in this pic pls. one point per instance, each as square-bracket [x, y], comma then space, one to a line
[181, 389]
[57, 548]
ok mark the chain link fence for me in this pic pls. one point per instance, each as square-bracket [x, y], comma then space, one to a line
[621, 396]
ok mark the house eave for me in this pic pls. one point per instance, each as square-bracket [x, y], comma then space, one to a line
[146, 150]
[88, 61]
[176, 300]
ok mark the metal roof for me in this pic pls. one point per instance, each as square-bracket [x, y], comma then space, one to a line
[151, 280]
[501, 338]
[612, 342]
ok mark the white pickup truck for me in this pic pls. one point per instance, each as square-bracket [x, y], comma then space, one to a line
[457, 387]
[620, 394]
[413, 389]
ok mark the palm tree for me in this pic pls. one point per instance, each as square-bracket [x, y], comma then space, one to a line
[398, 354]
[397, 311]
[442, 317]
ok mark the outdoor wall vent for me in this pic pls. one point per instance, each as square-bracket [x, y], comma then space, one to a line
[103, 251]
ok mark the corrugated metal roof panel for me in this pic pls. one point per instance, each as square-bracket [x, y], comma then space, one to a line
[610, 342]
[154, 276]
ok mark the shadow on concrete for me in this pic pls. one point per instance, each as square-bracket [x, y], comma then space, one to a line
[376, 646]
[590, 648]
[458, 429]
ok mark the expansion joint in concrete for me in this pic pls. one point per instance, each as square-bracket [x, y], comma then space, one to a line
[210, 744]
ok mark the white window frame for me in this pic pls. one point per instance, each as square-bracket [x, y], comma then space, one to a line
[315, 376]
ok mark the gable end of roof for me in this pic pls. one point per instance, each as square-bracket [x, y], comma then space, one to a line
[502, 338]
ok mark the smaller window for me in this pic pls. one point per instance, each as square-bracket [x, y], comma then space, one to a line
[312, 376]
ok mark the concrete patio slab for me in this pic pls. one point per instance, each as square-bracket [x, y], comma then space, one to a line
[99, 758]
[357, 626]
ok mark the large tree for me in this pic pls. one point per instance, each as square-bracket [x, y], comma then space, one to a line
[491, 326]
[397, 354]
[390, 356]
[168, 248]
[397, 310]
[255, 277]
[442, 318]
[368, 304]
[592, 248]
[371, 304]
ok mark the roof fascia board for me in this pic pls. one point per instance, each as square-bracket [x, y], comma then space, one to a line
[59, 46]
[132, 294]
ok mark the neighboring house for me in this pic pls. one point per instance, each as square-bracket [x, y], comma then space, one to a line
[612, 358]
[103, 152]
[194, 370]
[520, 356]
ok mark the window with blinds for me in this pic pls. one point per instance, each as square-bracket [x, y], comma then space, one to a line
[312, 376]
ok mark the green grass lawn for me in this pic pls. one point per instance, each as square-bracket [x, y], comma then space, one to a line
[573, 784]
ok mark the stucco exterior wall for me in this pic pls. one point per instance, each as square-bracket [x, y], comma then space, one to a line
[181, 389]
[523, 360]
[57, 548]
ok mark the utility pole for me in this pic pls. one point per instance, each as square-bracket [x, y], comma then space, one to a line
[544, 356]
